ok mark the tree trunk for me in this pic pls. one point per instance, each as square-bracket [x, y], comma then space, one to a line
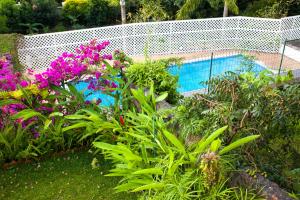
[123, 11]
[225, 13]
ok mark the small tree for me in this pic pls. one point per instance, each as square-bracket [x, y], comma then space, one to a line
[191, 5]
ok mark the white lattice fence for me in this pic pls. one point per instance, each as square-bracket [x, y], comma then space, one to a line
[170, 37]
[290, 27]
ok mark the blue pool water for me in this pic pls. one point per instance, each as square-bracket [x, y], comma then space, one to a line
[191, 75]
[92, 95]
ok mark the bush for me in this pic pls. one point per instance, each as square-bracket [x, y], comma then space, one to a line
[74, 11]
[149, 158]
[156, 72]
[38, 14]
[46, 12]
[33, 111]
[100, 13]
[10, 11]
[260, 104]
[3, 24]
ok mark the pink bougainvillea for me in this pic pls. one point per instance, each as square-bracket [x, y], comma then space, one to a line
[72, 66]
[9, 80]
[88, 63]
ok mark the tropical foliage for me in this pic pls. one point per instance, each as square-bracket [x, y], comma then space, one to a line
[156, 72]
[260, 104]
[39, 16]
[248, 121]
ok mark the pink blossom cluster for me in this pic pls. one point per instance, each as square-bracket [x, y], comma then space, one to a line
[10, 110]
[9, 80]
[72, 66]
[86, 61]
[103, 85]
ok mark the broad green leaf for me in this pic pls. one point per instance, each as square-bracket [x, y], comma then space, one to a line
[126, 187]
[8, 102]
[161, 97]
[75, 126]
[76, 117]
[238, 143]
[106, 146]
[54, 114]
[149, 187]
[138, 136]
[202, 145]
[174, 140]
[27, 114]
[215, 145]
[47, 124]
[149, 171]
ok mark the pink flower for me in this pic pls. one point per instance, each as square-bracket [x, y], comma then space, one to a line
[23, 84]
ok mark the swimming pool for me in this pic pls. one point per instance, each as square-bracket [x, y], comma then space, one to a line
[191, 75]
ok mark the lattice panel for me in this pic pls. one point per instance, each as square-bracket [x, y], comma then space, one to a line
[291, 28]
[250, 23]
[171, 37]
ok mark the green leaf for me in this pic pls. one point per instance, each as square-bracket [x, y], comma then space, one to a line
[75, 126]
[76, 117]
[106, 146]
[149, 171]
[54, 114]
[205, 142]
[161, 97]
[8, 102]
[238, 143]
[47, 124]
[27, 114]
[215, 145]
[126, 187]
[174, 140]
[138, 136]
[149, 187]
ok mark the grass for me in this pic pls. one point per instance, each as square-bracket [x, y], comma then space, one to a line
[66, 177]
[8, 44]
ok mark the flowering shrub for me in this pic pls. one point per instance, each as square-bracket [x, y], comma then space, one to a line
[69, 66]
[9, 80]
[36, 108]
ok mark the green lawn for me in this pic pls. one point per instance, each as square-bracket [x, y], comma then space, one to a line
[67, 177]
[8, 44]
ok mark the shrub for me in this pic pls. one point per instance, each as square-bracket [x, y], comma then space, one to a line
[46, 12]
[3, 24]
[32, 112]
[262, 103]
[38, 14]
[10, 11]
[74, 11]
[151, 159]
[99, 13]
[156, 72]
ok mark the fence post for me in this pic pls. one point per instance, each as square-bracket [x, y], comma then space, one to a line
[170, 37]
[210, 70]
[282, 56]
[123, 38]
